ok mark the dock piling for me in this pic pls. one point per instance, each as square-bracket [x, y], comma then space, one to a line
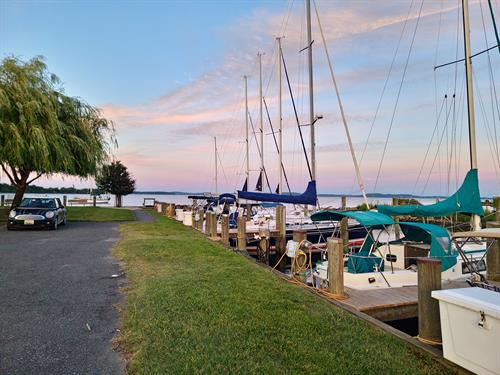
[213, 225]
[429, 279]
[280, 237]
[2, 200]
[242, 233]
[225, 229]
[335, 267]
[94, 201]
[65, 200]
[493, 256]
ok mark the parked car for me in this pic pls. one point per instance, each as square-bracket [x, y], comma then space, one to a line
[37, 213]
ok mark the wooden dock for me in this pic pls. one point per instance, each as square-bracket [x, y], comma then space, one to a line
[387, 304]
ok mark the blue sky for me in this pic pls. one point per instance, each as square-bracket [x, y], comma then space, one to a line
[170, 76]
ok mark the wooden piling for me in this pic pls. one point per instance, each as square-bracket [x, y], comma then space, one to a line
[280, 247]
[299, 235]
[65, 200]
[344, 234]
[496, 204]
[343, 202]
[225, 229]
[395, 202]
[213, 225]
[94, 200]
[2, 200]
[242, 233]
[493, 256]
[335, 267]
[249, 212]
[429, 279]
[208, 225]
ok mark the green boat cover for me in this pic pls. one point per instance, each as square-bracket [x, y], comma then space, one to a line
[365, 218]
[438, 237]
[466, 200]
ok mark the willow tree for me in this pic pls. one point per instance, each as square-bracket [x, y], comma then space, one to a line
[45, 132]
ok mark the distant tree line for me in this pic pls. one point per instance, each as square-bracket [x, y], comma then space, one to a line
[34, 189]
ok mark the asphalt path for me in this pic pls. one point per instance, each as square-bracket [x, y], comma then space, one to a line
[58, 300]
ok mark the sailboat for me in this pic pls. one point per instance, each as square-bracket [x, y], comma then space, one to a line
[317, 233]
[396, 245]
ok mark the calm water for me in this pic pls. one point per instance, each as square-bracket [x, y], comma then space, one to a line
[137, 199]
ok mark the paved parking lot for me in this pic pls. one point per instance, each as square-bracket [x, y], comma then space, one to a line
[57, 300]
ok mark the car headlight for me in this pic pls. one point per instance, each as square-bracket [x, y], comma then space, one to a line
[12, 214]
[49, 214]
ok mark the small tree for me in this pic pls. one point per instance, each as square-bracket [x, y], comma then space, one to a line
[115, 179]
[43, 131]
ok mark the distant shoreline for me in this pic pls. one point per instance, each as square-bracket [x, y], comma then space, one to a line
[6, 189]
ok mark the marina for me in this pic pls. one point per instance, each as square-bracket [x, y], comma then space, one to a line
[273, 187]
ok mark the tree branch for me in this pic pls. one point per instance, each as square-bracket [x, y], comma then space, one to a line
[34, 178]
[8, 175]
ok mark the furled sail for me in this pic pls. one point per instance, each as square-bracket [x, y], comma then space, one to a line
[307, 197]
[466, 200]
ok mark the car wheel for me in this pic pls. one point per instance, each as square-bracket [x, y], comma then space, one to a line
[63, 222]
[54, 225]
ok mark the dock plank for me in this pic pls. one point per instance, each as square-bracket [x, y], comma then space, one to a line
[388, 304]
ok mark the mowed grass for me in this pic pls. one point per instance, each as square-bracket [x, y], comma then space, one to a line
[99, 214]
[193, 306]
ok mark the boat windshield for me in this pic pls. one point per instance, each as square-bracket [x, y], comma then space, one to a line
[38, 203]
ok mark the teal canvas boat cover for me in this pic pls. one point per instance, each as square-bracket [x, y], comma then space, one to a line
[438, 237]
[466, 200]
[365, 218]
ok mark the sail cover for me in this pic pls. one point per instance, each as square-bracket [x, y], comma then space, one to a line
[307, 197]
[466, 200]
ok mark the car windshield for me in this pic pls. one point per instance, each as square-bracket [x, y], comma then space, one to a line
[38, 203]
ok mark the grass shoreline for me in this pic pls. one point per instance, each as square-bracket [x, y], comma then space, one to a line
[192, 306]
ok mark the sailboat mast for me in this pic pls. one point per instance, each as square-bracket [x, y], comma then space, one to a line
[476, 220]
[280, 139]
[311, 91]
[246, 130]
[261, 116]
[215, 152]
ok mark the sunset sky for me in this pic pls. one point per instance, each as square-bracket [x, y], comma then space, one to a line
[169, 74]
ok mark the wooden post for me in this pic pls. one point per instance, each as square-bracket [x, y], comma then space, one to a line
[335, 266]
[171, 207]
[65, 200]
[496, 204]
[249, 212]
[193, 217]
[242, 233]
[208, 225]
[94, 201]
[201, 214]
[343, 202]
[280, 246]
[395, 202]
[213, 225]
[493, 256]
[344, 234]
[225, 229]
[299, 235]
[2, 200]
[429, 279]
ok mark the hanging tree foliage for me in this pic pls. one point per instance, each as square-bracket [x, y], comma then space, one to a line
[115, 179]
[43, 131]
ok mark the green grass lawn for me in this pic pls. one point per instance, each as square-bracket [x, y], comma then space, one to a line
[99, 214]
[88, 214]
[193, 306]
